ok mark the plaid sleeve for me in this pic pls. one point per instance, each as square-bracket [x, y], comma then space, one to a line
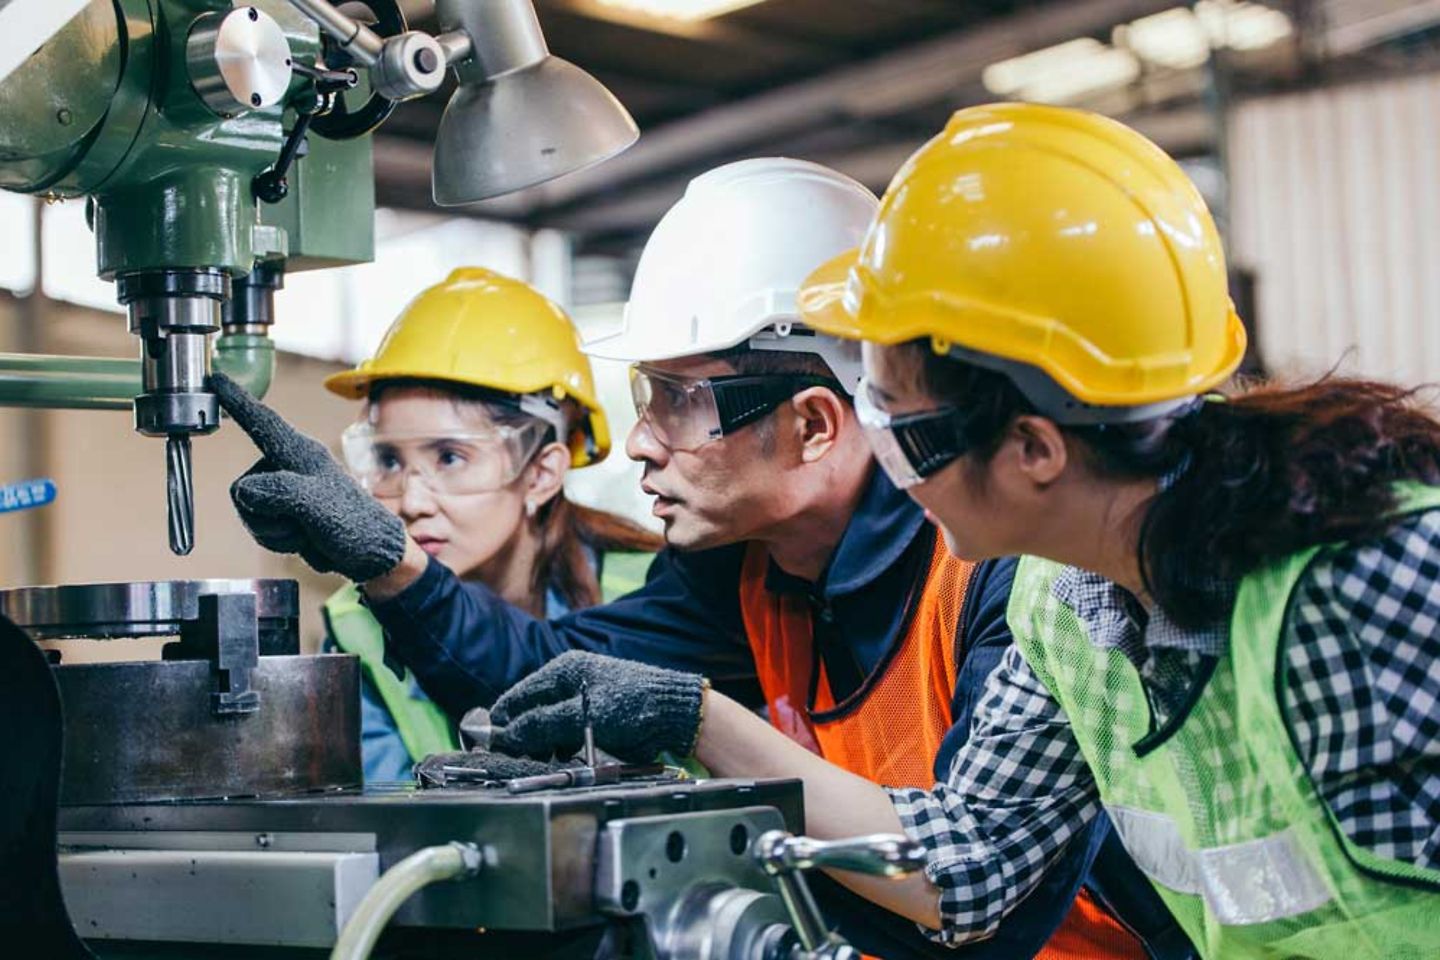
[1018, 791]
[1363, 687]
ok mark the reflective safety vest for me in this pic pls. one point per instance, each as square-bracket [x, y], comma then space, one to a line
[1220, 812]
[424, 728]
[890, 730]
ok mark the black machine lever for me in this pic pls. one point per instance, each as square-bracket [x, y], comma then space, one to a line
[272, 185]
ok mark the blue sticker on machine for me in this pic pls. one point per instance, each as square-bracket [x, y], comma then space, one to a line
[26, 494]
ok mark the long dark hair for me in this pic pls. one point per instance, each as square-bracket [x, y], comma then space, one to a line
[572, 537]
[1256, 476]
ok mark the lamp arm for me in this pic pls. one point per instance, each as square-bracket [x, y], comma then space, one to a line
[358, 40]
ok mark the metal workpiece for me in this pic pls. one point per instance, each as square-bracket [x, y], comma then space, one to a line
[693, 882]
[238, 60]
[150, 731]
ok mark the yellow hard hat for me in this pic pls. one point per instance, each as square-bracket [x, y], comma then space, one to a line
[482, 329]
[1028, 238]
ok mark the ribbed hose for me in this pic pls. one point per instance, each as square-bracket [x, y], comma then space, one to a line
[398, 884]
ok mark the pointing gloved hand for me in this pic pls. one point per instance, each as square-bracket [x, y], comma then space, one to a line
[637, 710]
[298, 499]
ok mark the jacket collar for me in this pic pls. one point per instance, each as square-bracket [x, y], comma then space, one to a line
[883, 525]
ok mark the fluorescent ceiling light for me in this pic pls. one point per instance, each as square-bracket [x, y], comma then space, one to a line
[1174, 38]
[1064, 73]
[1243, 26]
[681, 9]
[1182, 40]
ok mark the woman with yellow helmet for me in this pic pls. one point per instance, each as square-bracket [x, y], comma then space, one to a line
[476, 403]
[1230, 607]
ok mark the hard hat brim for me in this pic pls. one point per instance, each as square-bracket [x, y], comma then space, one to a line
[822, 298]
[823, 306]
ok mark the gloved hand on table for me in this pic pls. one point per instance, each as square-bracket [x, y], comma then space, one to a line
[637, 710]
[497, 766]
[298, 499]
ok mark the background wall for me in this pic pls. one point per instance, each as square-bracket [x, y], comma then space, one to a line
[1336, 208]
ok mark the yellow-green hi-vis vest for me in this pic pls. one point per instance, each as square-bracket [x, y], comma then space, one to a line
[424, 728]
[1222, 814]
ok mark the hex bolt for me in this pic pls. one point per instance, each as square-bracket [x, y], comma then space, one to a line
[64, 116]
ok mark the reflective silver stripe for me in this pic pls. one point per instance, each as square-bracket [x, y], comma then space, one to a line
[1252, 882]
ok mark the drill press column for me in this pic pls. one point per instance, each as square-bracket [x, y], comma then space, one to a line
[174, 312]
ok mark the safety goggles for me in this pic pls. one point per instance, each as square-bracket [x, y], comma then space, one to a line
[913, 446]
[685, 413]
[451, 463]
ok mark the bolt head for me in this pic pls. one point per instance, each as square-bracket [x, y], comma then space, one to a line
[426, 61]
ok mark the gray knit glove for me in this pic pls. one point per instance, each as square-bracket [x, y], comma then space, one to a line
[298, 499]
[430, 772]
[637, 711]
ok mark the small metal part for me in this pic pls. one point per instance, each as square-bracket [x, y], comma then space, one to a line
[476, 728]
[559, 780]
[467, 774]
[238, 60]
[590, 757]
[180, 494]
[401, 74]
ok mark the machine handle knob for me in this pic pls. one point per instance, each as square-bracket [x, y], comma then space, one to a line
[878, 855]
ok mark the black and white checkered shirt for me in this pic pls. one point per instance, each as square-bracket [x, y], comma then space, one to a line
[1362, 687]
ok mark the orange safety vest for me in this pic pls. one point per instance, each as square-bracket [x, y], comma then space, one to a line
[890, 730]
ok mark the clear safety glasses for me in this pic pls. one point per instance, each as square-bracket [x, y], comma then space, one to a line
[453, 463]
[913, 446]
[685, 413]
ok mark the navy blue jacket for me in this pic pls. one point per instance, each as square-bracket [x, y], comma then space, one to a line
[466, 647]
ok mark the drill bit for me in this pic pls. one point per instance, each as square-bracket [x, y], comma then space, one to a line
[180, 488]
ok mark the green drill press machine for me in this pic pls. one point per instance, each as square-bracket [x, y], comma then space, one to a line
[217, 146]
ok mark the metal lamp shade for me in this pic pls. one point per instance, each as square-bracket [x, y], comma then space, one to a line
[523, 128]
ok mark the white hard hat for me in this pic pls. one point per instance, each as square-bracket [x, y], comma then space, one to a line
[725, 263]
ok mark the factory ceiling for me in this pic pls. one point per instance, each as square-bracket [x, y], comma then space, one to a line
[858, 84]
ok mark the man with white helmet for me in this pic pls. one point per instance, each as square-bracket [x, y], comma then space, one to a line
[799, 577]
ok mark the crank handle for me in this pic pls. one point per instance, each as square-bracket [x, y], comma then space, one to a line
[877, 855]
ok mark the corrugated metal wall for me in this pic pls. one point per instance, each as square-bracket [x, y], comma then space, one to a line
[1335, 202]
